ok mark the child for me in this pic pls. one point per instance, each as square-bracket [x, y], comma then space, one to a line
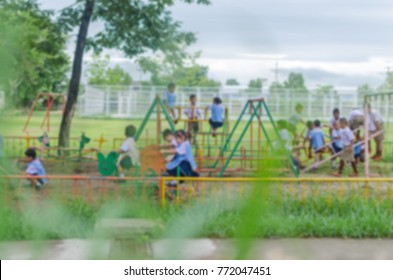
[129, 154]
[170, 100]
[217, 110]
[193, 114]
[183, 163]
[317, 139]
[337, 144]
[309, 125]
[358, 149]
[35, 169]
[169, 137]
[335, 118]
[347, 138]
[286, 142]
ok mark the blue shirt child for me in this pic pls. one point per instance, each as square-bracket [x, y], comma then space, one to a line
[183, 153]
[217, 110]
[170, 98]
[35, 168]
[317, 138]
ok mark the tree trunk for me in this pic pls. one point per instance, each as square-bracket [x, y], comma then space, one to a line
[73, 89]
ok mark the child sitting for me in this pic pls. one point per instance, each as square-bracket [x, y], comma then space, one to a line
[183, 163]
[35, 169]
[337, 144]
[347, 138]
[193, 114]
[216, 110]
[317, 139]
[129, 153]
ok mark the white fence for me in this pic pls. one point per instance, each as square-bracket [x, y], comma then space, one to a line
[134, 101]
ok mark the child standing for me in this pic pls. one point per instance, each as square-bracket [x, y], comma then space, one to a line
[193, 114]
[286, 142]
[317, 139]
[35, 169]
[347, 138]
[306, 141]
[129, 153]
[337, 145]
[216, 110]
[335, 118]
[170, 100]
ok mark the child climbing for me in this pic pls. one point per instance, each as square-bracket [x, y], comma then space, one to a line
[216, 111]
[348, 139]
[129, 153]
[170, 100]
[35, 169]
[194, 115]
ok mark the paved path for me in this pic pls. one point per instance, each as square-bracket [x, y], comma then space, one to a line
[273, 249]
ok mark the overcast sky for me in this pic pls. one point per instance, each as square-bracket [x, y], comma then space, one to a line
[339, 42]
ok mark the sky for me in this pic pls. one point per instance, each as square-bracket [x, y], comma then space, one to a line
[344, 43]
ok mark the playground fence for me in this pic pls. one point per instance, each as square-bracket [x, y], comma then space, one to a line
[134, 101]
[228, 190]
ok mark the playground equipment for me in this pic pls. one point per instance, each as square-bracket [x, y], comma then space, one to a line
[255, 109]
[158, 108]
[49, 102]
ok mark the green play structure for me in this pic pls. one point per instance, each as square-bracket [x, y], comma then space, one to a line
[254, 109]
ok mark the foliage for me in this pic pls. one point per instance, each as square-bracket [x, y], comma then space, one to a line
[295, 82]
[324, 89]
[388, 83]
[364, 89]
[32, 51]
[232, 82]
[134, 27]
[186, 72]
[255, 84]
[276, 88]
[99, 73]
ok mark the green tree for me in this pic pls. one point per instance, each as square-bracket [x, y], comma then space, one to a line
[365, 89]
[276, 88]
[99, 73]
[388, 83]
[324, 89]
[32, 52]
[295, 83]
[184, 72]
[132, 26]
[255, 84]
[232, 82]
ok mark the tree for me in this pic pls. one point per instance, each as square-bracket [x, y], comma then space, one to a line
[255, 84]
[388, 84]
[363, 90]
[134, 27]
[276, 88]
[232, 82]
[99, 73]
[184, 72]
[32, 52]
[295, 83]
[324, 89]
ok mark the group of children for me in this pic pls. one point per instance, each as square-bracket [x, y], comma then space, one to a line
[345, 140]
[193, 113]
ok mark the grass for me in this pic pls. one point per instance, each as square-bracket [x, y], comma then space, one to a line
[355, 218]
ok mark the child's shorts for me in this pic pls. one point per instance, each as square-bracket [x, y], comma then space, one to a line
[125, 161]
[319, 151]
[336, 149]
[215, 124]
